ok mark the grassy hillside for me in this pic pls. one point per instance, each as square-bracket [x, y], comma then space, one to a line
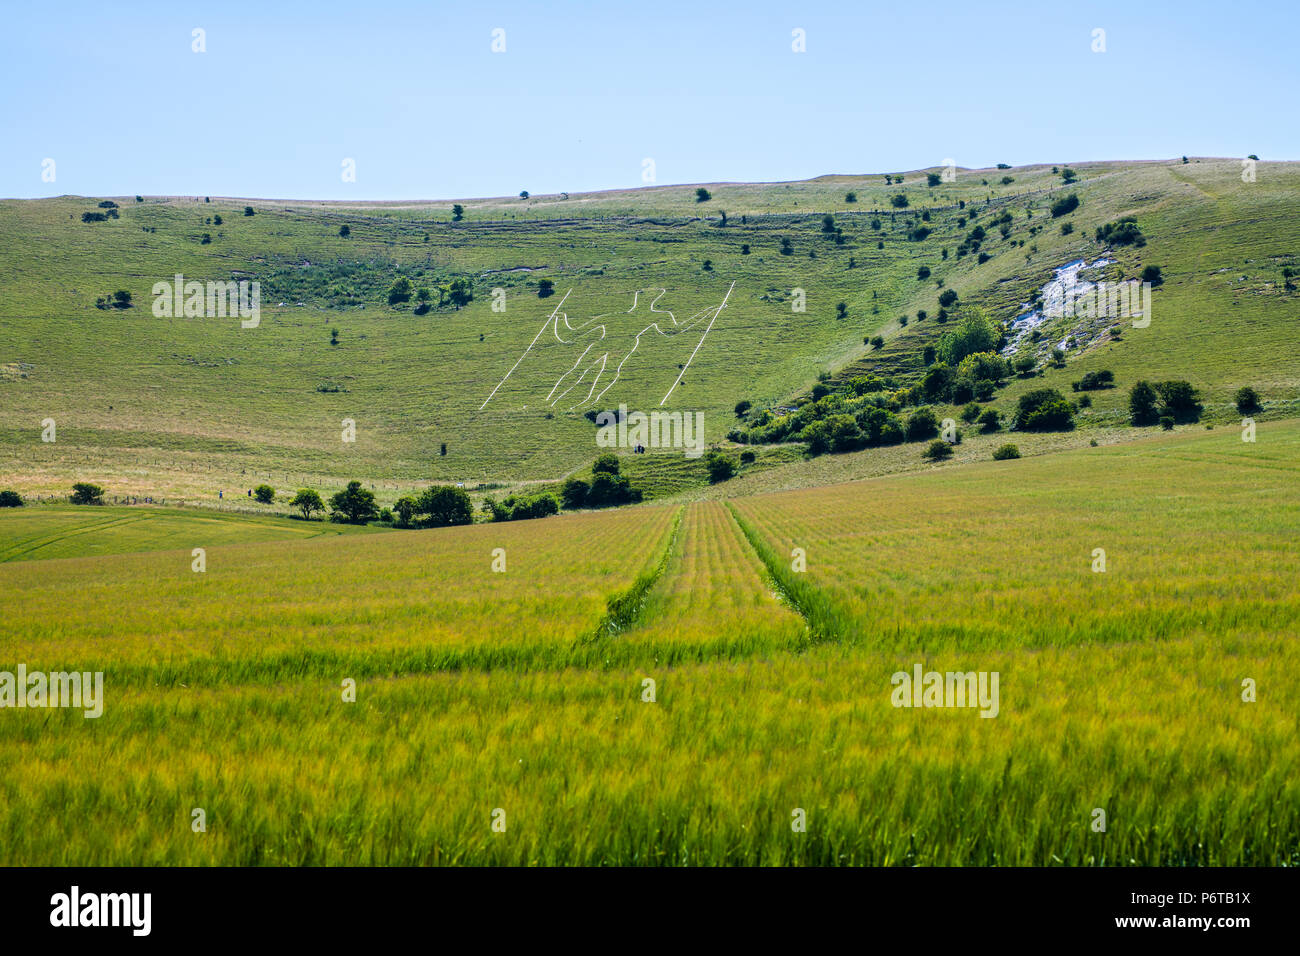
[184, 407]
[524, 690]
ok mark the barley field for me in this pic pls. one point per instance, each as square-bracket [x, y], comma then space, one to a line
[668, 690]
[369, 604]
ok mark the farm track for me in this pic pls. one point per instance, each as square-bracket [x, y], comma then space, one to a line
[1119, 690]
[624, 607]
[714, 600]
[17, 552]
[810, 603]
[769, 573]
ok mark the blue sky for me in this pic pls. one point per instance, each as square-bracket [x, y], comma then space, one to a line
[114, 94]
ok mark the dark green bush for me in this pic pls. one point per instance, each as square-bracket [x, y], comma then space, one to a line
[1247, 400]
[1094, 380]
[922, 424]
[937, 450]
[1065, 205]
[444, 505]
[1044, 409]
[719, 467]
[84, 493]
[1121, 232]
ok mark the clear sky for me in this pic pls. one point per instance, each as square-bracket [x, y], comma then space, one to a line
[585, 91]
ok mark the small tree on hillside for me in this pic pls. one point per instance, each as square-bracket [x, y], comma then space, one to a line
[84, 493]
[1043, 410]
[307, 501]
[922, 424]
[938, 450]
[1064, 206]
[264, 493]
[975, 333]
[445, 506]
[720, 467]
[400, 290]
[574, 493]
[1180, 400]
[460, 292]
[1143, 404]
[353, 505]
[405, 507]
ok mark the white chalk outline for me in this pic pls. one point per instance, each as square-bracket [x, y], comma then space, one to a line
[553, 322]
[527, 350]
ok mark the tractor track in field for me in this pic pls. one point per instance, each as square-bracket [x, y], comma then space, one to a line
[16, 552]
[824, 624]
[623, 609]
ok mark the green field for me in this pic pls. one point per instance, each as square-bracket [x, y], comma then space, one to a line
[181, 408]
[523, 690]
[678, 680]
[64, 531]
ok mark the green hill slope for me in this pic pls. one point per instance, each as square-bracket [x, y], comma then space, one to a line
[187, 406]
